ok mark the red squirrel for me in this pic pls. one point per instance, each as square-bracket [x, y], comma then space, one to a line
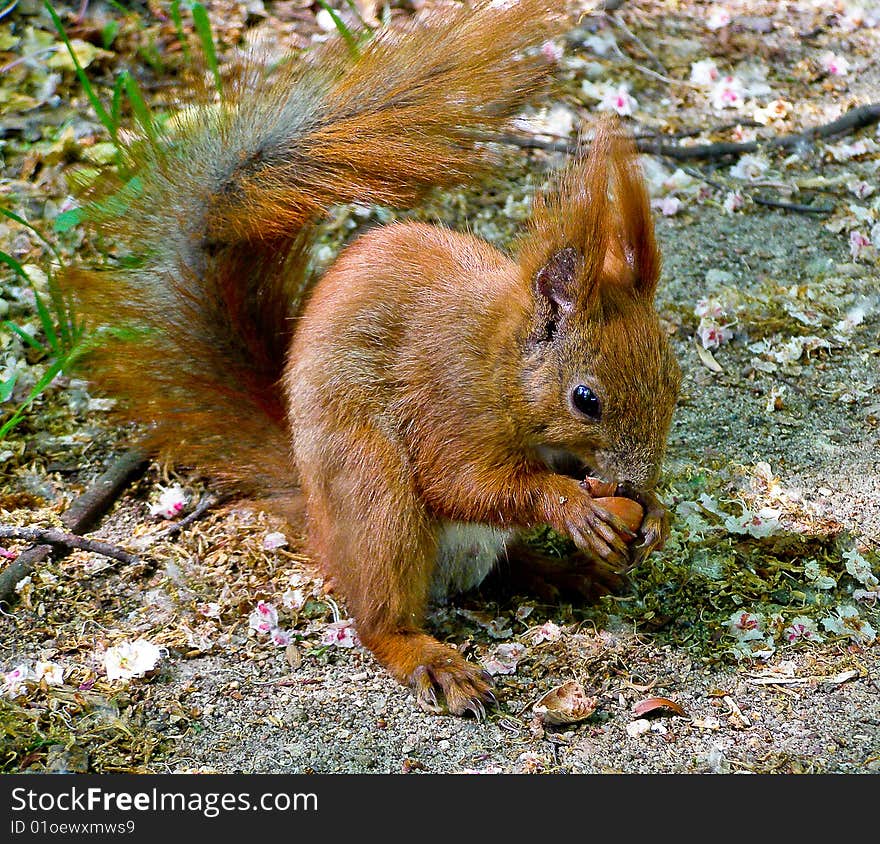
[428, 397]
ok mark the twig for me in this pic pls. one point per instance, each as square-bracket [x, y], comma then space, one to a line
[760, 200]
[853, 120]
[205, 503]
[667, 79]
[37, 54]
[601, 8]
[19, 569]
[83, 6]
[717, 150]
[8, 8]
[698, 174]
[53, 536]
[793, 206]
[82, 513]
[532, 142]
[620, 24]
[708, 130]
[93, 503]
[640, 67]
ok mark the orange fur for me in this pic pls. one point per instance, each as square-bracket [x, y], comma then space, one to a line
[219, 221]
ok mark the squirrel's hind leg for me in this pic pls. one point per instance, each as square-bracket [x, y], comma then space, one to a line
[549, 578]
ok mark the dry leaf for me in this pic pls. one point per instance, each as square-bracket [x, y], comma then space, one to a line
[85, 54]
[707, 359]
[842, 677]
[651, 704]
[293, 656]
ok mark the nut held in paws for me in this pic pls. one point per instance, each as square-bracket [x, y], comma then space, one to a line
[631, 512]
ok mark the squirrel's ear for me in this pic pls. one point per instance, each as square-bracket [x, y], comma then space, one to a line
[635, 224]
[556, 279]
[583, 249]
[554, 287]
[564, 250]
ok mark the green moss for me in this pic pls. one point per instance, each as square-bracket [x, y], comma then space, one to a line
[105, 734]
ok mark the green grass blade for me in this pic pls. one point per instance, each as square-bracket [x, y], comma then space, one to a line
[178, 25]
[350, 38]
[100, 111]
[357, 12]
[108, 33]
[64, 313]
[38, 388]
[47, 323]
[121, 8]
[6, 387]
[203, 28]
[60, 364]
[117, 203]
[42, 310]
[29, 339]
[116, 104]
[138, 106]
[21, 220]
[15, 266]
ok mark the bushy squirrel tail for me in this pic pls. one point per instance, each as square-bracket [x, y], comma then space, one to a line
[216, 221]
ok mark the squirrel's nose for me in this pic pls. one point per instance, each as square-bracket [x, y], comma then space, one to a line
[629, 466]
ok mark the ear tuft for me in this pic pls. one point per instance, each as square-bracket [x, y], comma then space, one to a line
[635, 221]
[582, 248]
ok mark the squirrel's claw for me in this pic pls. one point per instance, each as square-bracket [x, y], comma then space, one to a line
[424, 691]
[611, 528]
[476, 708]
[597, 533]
[655, 526]
[465, 687]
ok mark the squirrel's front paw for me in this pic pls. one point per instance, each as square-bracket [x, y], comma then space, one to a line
[654, 530]
[597, 532]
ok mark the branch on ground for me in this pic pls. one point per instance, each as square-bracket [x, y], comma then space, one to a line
[81, 515]
[852, 121]
[70, 541]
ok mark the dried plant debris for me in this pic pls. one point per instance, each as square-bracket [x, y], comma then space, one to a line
[763, 571]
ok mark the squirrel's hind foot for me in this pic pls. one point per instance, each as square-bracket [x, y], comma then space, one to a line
[550, 578]
[441, 679]
[464, 687]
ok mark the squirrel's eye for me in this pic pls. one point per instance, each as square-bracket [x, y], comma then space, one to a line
[586, 401]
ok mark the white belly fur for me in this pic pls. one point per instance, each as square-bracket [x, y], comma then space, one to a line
[466, 554]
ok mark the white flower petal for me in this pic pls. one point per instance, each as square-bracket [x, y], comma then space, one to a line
[131, 659]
